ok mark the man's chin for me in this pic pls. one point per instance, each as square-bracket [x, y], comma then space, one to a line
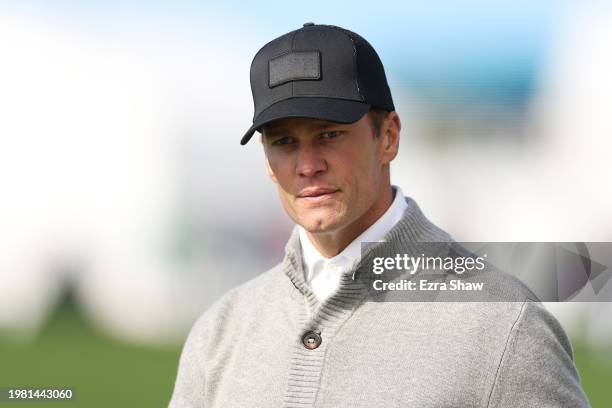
[320, 224]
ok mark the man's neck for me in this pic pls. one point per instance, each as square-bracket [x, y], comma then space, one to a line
[330, 244]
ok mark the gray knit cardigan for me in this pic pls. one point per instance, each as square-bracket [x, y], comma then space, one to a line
[247, 349]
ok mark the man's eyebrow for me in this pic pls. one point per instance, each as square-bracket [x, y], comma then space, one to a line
[274, 132]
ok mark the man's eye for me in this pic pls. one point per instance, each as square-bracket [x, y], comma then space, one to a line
[283, 141]
[330, 134]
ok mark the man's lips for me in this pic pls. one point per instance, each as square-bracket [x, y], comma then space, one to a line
[313, 193]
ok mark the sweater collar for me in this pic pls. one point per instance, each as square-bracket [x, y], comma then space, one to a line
[408, 234]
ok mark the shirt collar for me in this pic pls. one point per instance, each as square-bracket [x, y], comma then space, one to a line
[376, 232]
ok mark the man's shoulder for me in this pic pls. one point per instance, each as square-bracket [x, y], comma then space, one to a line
[259, 292]
[536, 367]
[271, 279]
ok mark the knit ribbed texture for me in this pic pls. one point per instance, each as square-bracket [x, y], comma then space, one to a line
[247, 350]
[328, 316]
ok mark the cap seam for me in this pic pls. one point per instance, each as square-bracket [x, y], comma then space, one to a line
[354, 59]
[293, 49]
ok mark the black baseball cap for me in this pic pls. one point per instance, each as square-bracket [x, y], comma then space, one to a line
[318, 71]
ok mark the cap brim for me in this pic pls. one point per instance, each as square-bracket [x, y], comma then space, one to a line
[333, 110]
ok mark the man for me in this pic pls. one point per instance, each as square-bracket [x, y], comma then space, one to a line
[302, 334]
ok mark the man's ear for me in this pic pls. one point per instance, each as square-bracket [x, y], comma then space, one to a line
[390, 137]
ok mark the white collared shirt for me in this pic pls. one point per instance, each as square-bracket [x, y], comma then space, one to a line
[323, 274]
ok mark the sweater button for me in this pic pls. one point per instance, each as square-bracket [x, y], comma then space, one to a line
[311, 340]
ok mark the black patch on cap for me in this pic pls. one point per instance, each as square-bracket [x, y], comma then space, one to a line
[295, 65]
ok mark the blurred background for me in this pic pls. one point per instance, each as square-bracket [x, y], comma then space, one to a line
[127, 205]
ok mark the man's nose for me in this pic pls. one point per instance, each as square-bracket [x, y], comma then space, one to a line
[310, 161]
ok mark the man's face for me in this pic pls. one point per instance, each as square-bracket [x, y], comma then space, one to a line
[329, 175]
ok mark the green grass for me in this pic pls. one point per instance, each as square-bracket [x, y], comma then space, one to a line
[103, 372]
[107, 373]
[595, 375]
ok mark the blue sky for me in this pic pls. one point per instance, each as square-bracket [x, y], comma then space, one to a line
[482, 45]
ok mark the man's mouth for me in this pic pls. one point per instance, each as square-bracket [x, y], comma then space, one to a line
[317, 193]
